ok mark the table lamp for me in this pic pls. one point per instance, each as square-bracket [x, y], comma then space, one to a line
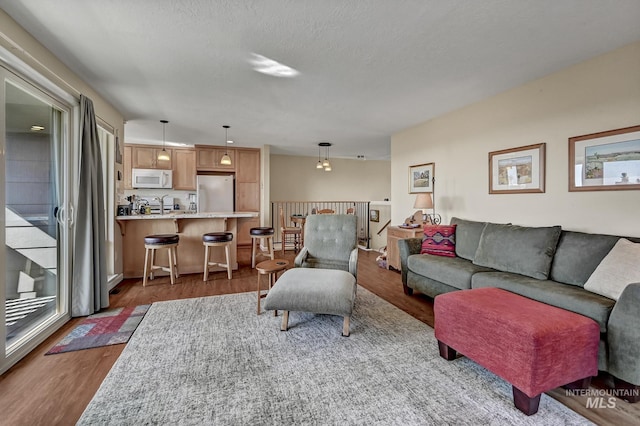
[424, 201]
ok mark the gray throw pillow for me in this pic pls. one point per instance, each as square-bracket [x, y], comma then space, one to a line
[518, 249]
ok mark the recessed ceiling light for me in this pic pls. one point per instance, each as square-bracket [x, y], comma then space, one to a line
[269, 66]
[37, 128]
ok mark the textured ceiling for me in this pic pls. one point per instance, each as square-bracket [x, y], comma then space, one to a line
[367, 68]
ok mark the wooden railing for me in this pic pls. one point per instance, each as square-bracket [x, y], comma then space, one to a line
[360, 209]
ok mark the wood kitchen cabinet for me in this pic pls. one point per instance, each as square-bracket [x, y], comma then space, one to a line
[127, 167]
[184, 169]
[146, 157]
[208, 159]
[247, 190]
[395, 233]
[248, 180]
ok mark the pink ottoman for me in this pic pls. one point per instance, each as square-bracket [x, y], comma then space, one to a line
[533, 346]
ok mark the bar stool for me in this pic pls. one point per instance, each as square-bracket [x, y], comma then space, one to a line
[155, 242]
[217, 239]
[257, 236]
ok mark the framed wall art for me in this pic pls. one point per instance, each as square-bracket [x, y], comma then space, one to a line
[421, 178]
[374, 215]
[605, 161]
[517, 170]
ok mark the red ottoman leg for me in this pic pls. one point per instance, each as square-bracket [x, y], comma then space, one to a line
[446, 351]
[525, 403]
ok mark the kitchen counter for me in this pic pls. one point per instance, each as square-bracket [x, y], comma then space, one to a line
[212, 215]
[190, 227]
[176, 216]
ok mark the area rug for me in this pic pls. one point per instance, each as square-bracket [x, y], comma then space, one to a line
[110, 327]
[212, 360]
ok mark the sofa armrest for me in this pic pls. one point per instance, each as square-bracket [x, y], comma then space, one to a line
[623, 336]
[300, 258]
[407, 247]
[353, 263]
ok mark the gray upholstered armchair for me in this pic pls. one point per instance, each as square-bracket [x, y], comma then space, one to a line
[330, 242]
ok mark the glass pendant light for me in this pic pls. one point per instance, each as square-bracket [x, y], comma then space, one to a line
[163, 155]
[319, 164]
[325, 164]
[225, 160]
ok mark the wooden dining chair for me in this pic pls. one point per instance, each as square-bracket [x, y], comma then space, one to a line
[291, 233]
[351, 210]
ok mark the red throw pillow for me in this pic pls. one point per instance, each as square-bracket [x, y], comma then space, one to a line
[439, 240]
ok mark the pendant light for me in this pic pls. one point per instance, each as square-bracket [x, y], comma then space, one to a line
[163, 155]
[225, 160]
[325, 164]
[319, 164]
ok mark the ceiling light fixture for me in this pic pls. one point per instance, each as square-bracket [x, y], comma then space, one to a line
[319, 164]
[37, 128]
[225, 160]
[325, 164]
[164, 154]
[270, 67]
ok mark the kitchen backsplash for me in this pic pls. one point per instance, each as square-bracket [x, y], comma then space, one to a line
[180, 197]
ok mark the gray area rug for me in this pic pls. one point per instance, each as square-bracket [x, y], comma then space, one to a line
[212, 360]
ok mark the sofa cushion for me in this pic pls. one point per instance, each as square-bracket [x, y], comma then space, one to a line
[468, 234]
[569, 297]
[619, 268]
[453, 271]
[439, 240]
[518, 249]
[577, 256]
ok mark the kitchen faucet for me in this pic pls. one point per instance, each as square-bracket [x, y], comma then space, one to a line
[160, 199]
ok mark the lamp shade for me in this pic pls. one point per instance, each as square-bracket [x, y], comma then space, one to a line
[423, 201]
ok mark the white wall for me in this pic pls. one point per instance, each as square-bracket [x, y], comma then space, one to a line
[597, 95]
[296, 179]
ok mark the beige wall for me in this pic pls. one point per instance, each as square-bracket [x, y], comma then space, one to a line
[597, 95]
[296, 179]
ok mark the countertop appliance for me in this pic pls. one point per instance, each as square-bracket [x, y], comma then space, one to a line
[215, 193]
[154, 204]
[151, 178]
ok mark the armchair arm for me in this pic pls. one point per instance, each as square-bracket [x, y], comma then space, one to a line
[623, 336]
[297, 262]
[407, 247]
[353, 262]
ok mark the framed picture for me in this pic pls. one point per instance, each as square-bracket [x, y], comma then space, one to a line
[421, 178]
[605, 161]
[517, 170]
[118, 151]
[374, 215]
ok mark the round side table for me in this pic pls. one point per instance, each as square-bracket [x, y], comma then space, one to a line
[270, 268]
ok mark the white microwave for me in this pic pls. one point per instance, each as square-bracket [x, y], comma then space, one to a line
[151, 178]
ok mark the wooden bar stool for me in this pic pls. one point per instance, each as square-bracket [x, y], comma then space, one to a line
[258, 235]
[155, 242]
[271, 269]
[217, 239]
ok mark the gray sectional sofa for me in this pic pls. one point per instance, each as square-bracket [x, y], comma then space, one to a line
[546, 264]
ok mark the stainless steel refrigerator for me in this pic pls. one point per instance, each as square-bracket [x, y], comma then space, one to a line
[215, 193]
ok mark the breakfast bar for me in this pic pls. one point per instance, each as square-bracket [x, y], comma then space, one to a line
[189, 226]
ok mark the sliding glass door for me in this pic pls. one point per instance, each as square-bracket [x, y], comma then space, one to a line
[34, 166]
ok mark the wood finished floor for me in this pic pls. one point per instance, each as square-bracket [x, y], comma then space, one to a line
[55, 389]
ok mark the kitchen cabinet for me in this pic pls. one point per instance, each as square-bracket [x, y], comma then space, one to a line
[248, 180]
[395, 233]
[208, 159]
[146, 157]
[184, 169]
[127, 167]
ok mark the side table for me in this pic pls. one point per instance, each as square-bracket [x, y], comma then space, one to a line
[395, 233]
[271, 269]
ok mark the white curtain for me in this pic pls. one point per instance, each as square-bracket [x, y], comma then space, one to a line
[89, 287]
